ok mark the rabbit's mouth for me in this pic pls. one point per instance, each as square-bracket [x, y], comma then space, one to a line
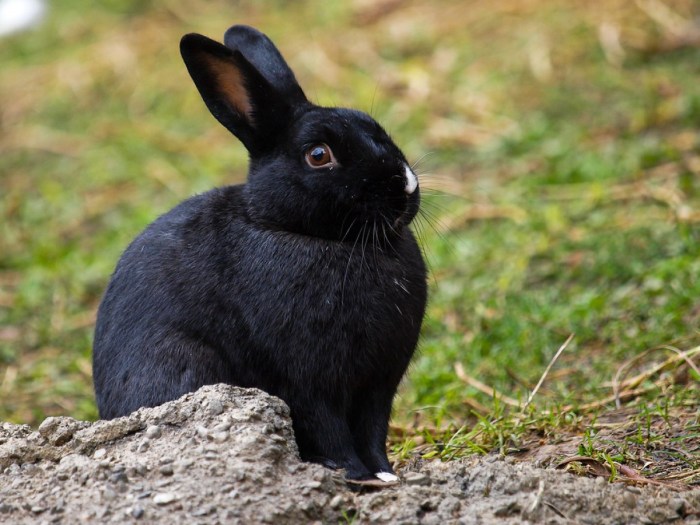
[405, 216]
[404, 219]
[399, 221]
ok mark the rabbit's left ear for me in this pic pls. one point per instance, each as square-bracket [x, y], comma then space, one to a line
[259, 50]
[249, 104]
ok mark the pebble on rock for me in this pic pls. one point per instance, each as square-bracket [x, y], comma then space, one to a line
[165, 498]
[416, 478]
[219, 437]
[153, 432]
[216, 407]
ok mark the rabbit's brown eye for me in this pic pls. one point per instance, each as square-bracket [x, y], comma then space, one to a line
[319, 156]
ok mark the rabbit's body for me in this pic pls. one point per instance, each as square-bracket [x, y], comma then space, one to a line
[305, 282]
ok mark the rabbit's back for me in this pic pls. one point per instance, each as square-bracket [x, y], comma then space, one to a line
[204, 295]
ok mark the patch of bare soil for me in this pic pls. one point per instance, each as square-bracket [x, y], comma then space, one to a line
[227, 455]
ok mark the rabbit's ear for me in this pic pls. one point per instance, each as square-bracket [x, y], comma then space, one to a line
[237, 94]
[259, 50]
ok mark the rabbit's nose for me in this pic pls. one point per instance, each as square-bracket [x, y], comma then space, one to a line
[411, 181]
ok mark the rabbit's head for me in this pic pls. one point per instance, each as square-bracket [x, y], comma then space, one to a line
[325, 172]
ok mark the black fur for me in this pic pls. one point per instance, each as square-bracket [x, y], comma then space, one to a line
[304, 282]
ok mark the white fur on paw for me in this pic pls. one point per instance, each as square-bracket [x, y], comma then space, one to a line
[387, 477]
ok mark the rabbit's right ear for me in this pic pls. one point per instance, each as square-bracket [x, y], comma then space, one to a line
[237, 93]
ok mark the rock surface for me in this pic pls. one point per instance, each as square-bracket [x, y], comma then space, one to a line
[227, 455]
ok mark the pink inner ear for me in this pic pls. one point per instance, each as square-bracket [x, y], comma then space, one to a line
[229, 82]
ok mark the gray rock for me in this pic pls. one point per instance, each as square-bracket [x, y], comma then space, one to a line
[183, 475]
[57, 430]
[416, 478]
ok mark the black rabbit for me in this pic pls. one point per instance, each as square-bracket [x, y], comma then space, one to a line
[305, 282]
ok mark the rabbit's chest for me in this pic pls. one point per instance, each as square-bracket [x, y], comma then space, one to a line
[325, 296]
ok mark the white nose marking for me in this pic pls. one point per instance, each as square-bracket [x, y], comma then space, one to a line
[411, 181]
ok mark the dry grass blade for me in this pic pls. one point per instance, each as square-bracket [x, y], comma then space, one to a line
[633, 382]
[679, 31]
[481, 387]
[664, 16]
[684, 356]
[609, 38]
[490, 391]
[557, 511]
[682, 475]
[537, 499]
[476, 407]
[627, 395]
[546, 370]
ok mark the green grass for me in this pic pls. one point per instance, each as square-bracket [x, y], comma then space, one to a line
[562, 191]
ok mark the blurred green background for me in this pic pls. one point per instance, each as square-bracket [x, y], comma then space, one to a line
[557, 144]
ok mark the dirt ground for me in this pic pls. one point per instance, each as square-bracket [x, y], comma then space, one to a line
[227, 455]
